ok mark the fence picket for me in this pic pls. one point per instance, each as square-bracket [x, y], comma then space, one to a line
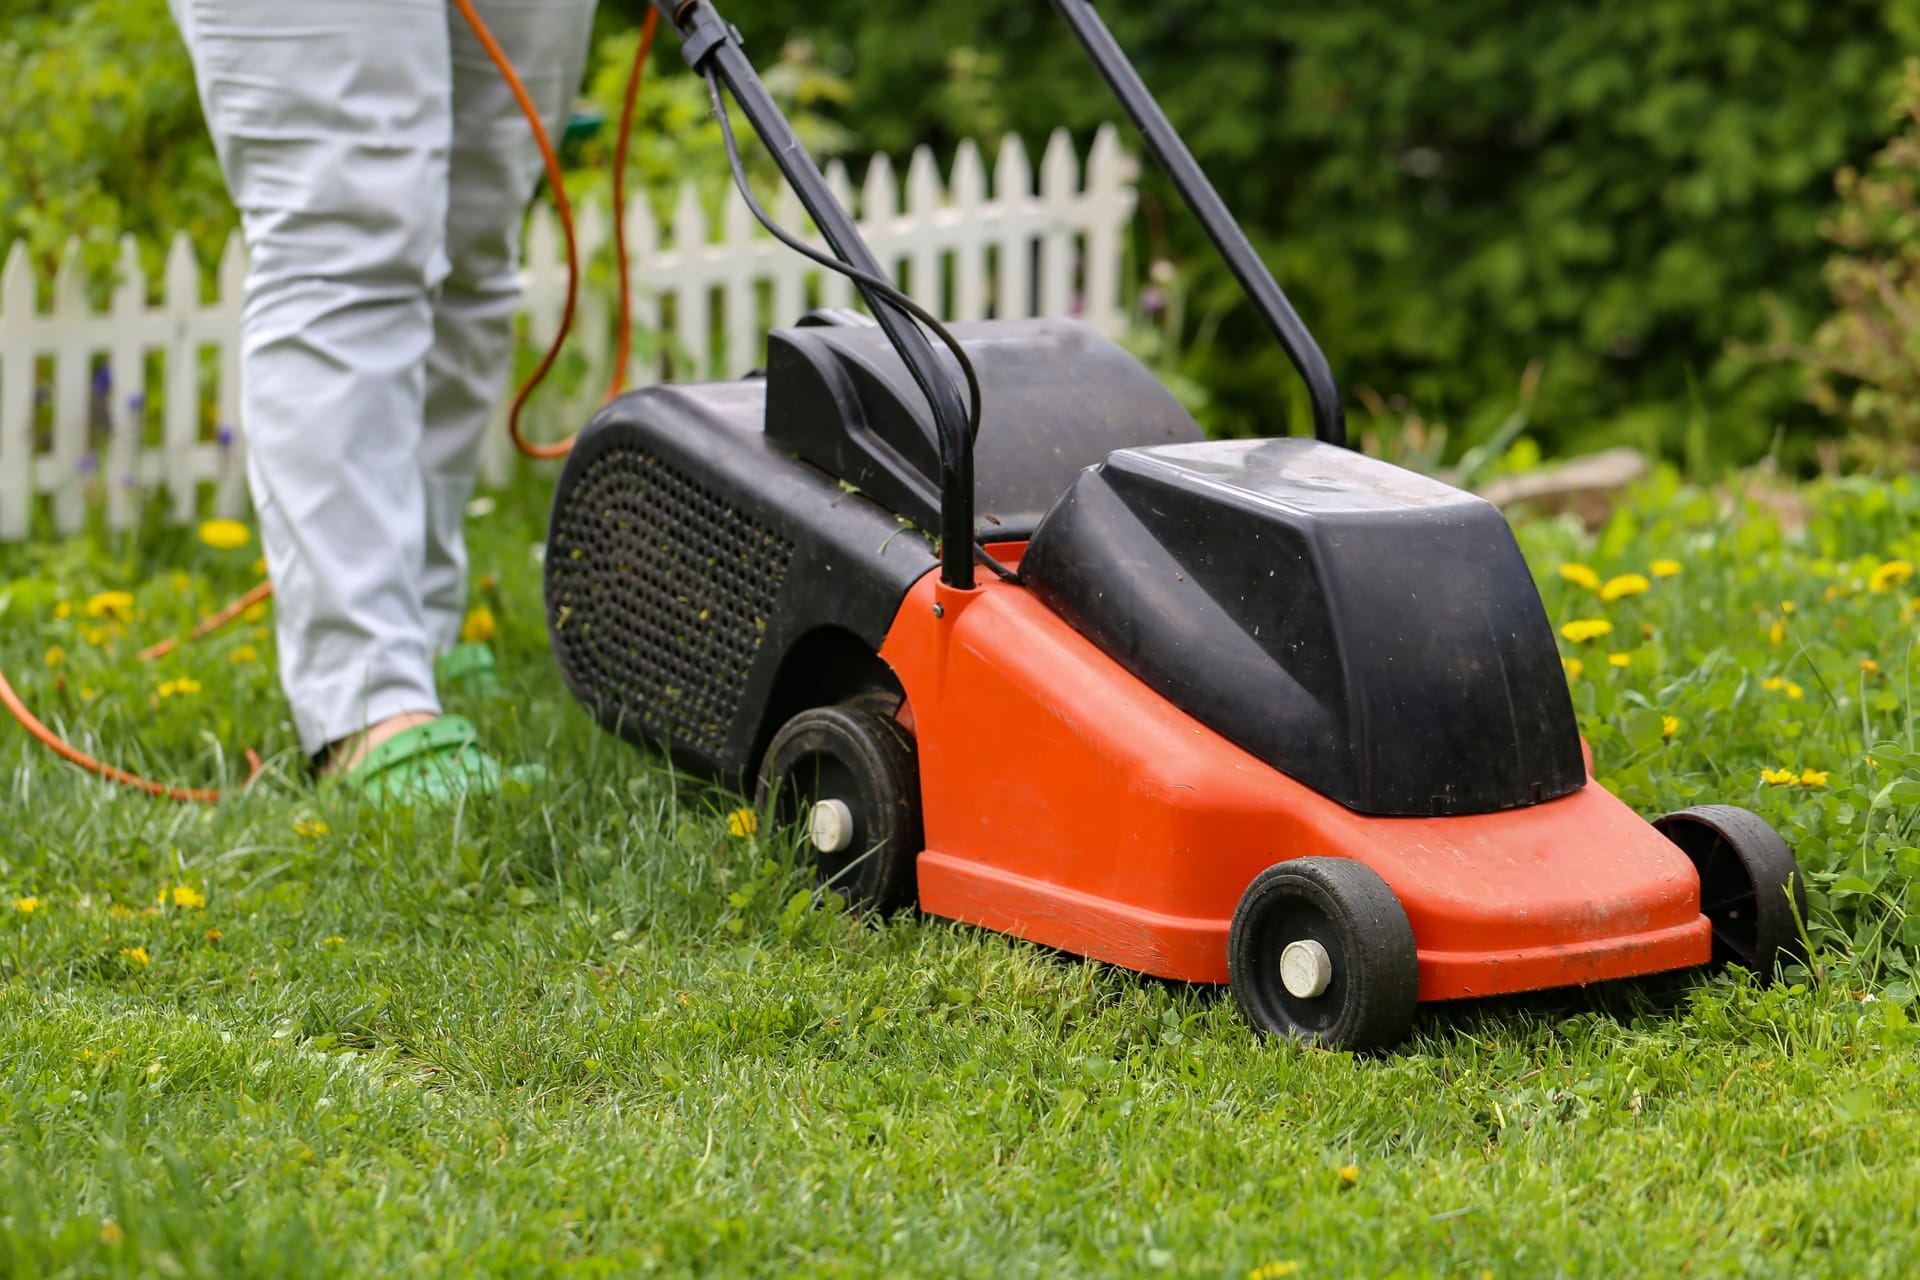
[1059, 185]
[1109, 168]
[835, 289]
[126, 387]
[739, 301]
[693, 309]
[790, 271]
[17, 377]
[60, 471]
[925, 208]
[970, 246]
[970, 251]
[1013, 268]
[180, 385]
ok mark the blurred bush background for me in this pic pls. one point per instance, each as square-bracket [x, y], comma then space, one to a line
[1628, 197]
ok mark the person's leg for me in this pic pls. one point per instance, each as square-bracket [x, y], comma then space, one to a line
[495, 165]
[332, 122]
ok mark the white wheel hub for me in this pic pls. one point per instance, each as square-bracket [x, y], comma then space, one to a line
[830, 826]
[1306, 969]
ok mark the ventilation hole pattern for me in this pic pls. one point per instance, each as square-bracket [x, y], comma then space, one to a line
[658, 597]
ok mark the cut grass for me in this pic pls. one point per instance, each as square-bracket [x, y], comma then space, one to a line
[590, 1030]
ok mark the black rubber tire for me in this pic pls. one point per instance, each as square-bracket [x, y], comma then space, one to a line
[866, 760]
[1347, 908]
[1751, 889]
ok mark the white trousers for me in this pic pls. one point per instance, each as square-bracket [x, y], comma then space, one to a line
[382, 171]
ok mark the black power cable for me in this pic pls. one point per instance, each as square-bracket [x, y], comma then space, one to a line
[870, 283]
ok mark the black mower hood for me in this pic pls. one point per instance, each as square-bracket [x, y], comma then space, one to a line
[1371, 632]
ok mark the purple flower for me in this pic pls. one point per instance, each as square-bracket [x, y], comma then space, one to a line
[1153, 299]
[137, 403]
[103, 380]
[223, 436]
[89, 464]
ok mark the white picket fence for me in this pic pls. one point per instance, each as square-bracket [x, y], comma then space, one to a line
[81, 423]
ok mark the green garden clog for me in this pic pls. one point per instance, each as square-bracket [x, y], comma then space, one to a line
[433, 763]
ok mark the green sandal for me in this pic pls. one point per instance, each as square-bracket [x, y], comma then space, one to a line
[434, 763]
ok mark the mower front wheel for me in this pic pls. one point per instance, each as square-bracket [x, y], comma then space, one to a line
[1751, 889]
[849, 779]
[1321, 951]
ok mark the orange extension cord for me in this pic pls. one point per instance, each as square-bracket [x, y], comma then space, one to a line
[558, 449]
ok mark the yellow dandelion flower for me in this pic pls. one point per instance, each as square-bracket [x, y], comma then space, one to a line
[136, 956]
[110, 1232]
[56, 655]
[1573, 667]
[95, 636]
[1776, 633]
[1813, 777]
[479, 626]
[26, 906]
[245, 655]
[1275, 1270]
[1889, 575]
[1779, 777]
[1869, 666]
[1626, 584]
[1580, 576]
[1787, 606]
[1581, 630]
[311, 830]
[63, 610]
[180, 688]
[185, 895]
[225, 535]
[1794, 691]
[1619, 659]
[1669, 725]
[1349, 1175]
[213, 935]
[742, 823]
[1664, 568]
[254, 612]
[334, 941]
[120, 912]
[111, 604]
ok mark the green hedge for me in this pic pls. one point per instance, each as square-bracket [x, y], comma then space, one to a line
[1450, 190]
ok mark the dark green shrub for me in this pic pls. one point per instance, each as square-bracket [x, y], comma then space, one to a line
[1450, 191]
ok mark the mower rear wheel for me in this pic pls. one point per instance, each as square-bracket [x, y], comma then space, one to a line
[848, 779]
[1321, 951]
[1751, 889]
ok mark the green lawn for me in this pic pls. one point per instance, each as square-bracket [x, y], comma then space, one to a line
[591, 1030]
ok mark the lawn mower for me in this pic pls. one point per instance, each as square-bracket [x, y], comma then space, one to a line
[979, 611]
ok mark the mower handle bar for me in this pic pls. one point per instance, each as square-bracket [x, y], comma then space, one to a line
[710, 42]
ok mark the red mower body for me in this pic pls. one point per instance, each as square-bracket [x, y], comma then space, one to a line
[1067, 803]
